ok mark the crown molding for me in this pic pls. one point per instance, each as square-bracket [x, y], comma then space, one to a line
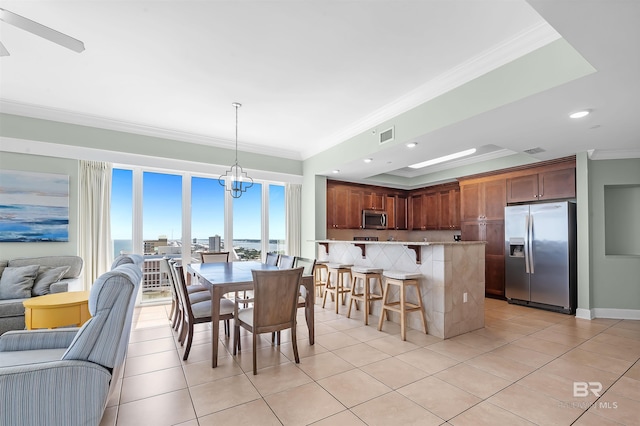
[526, 41]
[611, 154]
[122, 159]
[64, 116]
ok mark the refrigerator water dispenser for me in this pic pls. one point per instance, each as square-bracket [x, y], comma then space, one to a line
[516, 247]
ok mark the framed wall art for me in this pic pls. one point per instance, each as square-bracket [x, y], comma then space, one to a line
[34, 207]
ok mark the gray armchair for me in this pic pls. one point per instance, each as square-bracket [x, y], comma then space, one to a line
[65, 376]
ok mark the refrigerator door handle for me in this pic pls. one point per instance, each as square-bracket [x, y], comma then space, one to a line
[530, 235]
[526, 244]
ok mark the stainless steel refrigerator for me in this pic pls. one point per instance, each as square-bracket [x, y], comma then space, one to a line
[540, 255]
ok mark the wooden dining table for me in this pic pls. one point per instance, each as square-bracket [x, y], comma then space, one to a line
[229, 277]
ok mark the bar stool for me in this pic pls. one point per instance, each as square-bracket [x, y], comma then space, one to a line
[339, 270]
[365, 296]
[402, 280]
[320, 276]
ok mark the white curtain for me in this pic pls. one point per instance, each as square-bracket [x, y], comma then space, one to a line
[95, 221]
[293, 208]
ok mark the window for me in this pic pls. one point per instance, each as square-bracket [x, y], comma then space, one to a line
[159, 214]
[247, 224]
[161, 229]
[277, 230]
[122, 211]
[207, 216]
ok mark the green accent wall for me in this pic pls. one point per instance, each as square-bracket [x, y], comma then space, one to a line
[615, 278]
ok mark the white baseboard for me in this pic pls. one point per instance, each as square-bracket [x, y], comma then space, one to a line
[589, 314]
[630, 314]
[585, 314]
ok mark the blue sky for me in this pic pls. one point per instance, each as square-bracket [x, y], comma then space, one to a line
[162, 208]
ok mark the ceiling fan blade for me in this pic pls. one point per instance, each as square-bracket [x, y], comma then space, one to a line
[42, 31]
[3, 50]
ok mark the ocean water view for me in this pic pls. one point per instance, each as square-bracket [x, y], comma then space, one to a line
[126, 246]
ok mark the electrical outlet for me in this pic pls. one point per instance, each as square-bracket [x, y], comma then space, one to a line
[464, 297]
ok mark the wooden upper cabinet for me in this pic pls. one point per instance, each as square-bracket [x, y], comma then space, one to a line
[416, 219]
[396, 208]
[390, 208]
[344, 207]
[373, 201]
[354, 212]
[402, 212]
[542, 186]
[494, 199]
[337, 201]
[431, 210]
[434, 208]
[450, 209]
[483, 200]
[556, 184]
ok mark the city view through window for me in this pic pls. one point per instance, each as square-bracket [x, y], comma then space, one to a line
[162, 221]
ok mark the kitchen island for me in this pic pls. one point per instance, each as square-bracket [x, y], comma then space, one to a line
[452, 282]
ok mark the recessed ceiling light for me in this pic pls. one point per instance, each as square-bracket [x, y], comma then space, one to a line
[443, 159]
[368, 160]
[580, 114]
[335, 171]
[412, 144]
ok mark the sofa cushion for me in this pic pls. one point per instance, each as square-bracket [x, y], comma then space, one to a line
[16, 282]
[11, 308]
[46, 277]
[73, 262]
[3, 264]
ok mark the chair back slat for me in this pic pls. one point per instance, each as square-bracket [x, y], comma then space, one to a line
[286, 262]
[272, 259]
[308, 265]
[181, 289]
[214, 257]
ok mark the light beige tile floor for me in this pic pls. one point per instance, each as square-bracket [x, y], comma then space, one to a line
[520, 369]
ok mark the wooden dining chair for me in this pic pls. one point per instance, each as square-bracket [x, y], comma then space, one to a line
[308, 270]
[175, 315]
[307, 266]
[272, 259]
[286, 262]
[274, 308]
[197, 313]
[195, 294]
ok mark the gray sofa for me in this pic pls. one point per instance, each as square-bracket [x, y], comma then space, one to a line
[12, 309]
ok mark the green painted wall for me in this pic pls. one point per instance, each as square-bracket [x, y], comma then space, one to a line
[33, 129]
[616, 279]
[36, 163]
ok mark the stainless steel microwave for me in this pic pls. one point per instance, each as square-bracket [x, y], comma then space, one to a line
[374, 219]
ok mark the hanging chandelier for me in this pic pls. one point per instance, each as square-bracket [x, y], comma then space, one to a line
[239, 180]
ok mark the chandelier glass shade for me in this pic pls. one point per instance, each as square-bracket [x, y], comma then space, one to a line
[238, 180]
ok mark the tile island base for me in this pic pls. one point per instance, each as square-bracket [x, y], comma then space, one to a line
[452, 278]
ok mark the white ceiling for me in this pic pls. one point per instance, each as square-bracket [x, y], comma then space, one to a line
[311, 75]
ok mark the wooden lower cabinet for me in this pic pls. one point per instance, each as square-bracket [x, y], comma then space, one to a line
[491, 231]
[494, 275]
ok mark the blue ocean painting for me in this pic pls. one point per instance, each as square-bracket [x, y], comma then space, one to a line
[34, 207]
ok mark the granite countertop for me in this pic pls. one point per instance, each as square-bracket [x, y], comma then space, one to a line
[405, 243]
